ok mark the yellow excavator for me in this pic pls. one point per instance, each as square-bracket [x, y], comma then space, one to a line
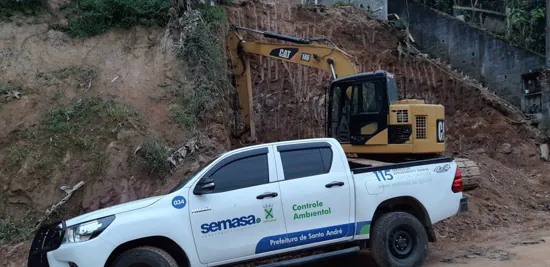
[364, 112]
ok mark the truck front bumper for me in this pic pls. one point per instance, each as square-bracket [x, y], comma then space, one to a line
[463, 207]
[47, 250]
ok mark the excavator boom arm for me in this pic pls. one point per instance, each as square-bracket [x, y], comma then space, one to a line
[324, 57]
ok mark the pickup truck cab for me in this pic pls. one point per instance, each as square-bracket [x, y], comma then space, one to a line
[263, 201]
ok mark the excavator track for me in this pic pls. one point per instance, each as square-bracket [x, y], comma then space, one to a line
[471, 173]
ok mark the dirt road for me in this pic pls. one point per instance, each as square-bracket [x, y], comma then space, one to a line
[521, 255]
[528, 248]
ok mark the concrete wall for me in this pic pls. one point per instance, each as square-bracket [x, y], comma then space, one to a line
[492, 61]
[373, 4]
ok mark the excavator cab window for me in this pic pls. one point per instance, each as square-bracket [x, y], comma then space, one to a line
[392, 90]
[359, 108]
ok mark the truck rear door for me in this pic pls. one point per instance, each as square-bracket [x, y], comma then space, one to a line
[316, 191]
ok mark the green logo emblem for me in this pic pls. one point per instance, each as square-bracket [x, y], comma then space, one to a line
[268, 213]
[268, 210]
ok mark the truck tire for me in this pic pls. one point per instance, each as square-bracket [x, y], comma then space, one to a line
[145, 257]
[398, 239]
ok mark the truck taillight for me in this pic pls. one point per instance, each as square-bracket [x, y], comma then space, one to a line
[458, 186]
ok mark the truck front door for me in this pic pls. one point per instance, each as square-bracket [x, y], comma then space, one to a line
[316, 194]
[243, 206]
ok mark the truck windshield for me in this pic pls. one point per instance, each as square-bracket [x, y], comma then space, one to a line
[185, 180]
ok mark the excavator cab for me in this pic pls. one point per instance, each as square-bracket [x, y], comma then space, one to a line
[366, 117]
[359, 106]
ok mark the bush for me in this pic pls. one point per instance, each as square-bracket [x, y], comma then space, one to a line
[155, 156]
[93, 17]
[26, 7]
[12, 231]
[201, 47]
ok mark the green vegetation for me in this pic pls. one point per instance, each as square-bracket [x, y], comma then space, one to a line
[93, 17]
[82, 75]
[89, 116]
[16, 156]
[526, 18]
[12, 231]
[155, 156]
[5, 88]
[183, 116]
[343, 3]
[9, 92]
[9, 8]
[527, 24]
[201, 47]
[85, 127]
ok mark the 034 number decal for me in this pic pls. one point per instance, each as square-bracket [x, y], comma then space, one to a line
[384, 175]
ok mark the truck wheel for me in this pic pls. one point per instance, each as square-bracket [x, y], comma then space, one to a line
[399, 240]
[145, 257]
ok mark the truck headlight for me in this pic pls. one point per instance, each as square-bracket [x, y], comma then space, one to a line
[87, 230]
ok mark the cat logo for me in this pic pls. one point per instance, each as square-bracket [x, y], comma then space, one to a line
[284, 53]
[440, 131]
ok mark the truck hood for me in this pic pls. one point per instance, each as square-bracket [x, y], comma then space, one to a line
[117, 209]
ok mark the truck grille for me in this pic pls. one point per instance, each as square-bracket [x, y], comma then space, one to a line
[402, 116]
[47, 238]
[420, 127]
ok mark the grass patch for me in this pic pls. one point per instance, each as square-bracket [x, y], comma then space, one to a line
[9, 8]
[155, 156]
[80, 74]
[13, 231]
[9, 92]
[93, 17]
[90, 115]
[5, 88]
[85, 128]
[88, 126]
[201, 47]
[16, 156]
[183, 115]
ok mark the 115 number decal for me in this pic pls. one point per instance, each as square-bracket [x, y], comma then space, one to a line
[383, 175]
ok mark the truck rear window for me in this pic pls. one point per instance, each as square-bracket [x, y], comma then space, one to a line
[306, 162]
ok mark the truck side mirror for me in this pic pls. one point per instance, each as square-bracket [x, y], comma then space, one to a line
[205, 185]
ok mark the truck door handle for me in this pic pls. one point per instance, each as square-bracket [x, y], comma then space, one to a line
[268, 194]
[330, 185]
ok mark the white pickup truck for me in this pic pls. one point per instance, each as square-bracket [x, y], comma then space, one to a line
[266, 201]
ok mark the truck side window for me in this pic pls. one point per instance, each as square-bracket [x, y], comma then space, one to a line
[306, 162]
[242, 173]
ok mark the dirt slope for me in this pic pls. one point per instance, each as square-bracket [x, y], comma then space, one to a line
[135, 68]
